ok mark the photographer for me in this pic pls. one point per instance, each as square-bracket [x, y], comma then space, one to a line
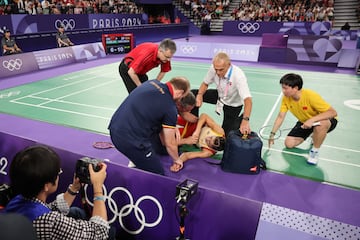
[34, 175]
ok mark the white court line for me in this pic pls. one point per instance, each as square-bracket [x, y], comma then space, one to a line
[58, 87]
[265, 94]
[62, 110]
[329, 146]
[273, 109]
[81, 91]
[18, 100]
[322, 159]
[67, 102]
[67, 111]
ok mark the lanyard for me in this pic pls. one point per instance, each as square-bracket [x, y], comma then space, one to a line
[228, 83]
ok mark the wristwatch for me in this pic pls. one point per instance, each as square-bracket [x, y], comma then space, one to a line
[246, 118]
[71, 192]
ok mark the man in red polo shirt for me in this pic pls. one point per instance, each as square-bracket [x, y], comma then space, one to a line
[146, 56]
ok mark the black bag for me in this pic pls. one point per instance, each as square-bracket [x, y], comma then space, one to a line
[242, 154]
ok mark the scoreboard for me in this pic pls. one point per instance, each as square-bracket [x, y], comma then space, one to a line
[118, 43]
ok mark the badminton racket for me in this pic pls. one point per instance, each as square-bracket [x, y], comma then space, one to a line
[265, 131]
[103, 145]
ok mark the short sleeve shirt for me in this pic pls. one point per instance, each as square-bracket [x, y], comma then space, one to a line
[144, 58]
[62, 36]
[233, 88]
[148, 109]
[8, 42]
[309, 105]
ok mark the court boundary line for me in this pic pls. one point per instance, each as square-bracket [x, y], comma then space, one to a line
[320, 158]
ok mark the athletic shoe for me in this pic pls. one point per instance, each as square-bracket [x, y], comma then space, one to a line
[313, 157]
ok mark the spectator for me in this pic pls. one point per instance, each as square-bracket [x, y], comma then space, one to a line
[146, 56]
[146, 121]
[346, 27]
[34, 176]
[231, 95]
[62, 39]
[8, 44]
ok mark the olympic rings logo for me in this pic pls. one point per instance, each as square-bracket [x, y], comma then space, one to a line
[13, 64]
[67, 23]
[188, 49]
[128, 208]
[248, 27]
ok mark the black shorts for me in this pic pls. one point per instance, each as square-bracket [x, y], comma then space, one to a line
[297, 131]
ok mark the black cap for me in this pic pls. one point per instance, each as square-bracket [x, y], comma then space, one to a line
[7, 30]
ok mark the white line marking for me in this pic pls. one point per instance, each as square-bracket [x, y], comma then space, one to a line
[323, 159]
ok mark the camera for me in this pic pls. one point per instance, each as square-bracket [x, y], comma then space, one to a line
[185, 190]
[82, 168]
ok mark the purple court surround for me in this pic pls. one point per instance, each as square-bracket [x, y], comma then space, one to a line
[227, 204]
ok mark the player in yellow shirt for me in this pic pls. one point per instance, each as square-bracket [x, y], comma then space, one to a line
[315, 116]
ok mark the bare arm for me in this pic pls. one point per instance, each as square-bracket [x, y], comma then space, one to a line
[62, 42]
[171, 144]
[199, 97]
[97, 180]
[277, 124]
[74, 187]
[204, 153]
[134, 76]
[245, 125]
[331, 113]
[160, 76]
[17, 48]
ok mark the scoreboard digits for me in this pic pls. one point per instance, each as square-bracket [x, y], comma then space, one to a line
[118, 43]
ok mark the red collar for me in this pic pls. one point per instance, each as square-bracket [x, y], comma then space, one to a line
[171, 89]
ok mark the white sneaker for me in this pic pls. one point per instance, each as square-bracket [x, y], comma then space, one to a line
[131, 165]
[313, 157]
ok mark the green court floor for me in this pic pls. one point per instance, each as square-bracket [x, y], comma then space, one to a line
[87, 99]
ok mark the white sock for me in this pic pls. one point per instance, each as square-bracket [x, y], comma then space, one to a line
[315, 149]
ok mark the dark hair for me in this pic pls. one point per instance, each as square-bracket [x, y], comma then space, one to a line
[292, 80]
[221, 144]
[188, 100]
[168, 43]
[32, 168]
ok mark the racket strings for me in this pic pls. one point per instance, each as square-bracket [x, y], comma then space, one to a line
[268, 136]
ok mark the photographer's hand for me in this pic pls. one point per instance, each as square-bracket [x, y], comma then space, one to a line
[72, 191]
[97, 180]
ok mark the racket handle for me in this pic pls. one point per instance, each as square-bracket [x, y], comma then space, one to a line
[316, 124]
